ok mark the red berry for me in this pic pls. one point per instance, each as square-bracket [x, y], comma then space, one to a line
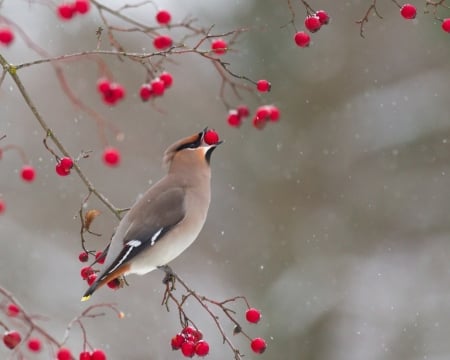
[302, 39]
[166, 78]
[263, 85]
[98, 355]
[274, 113]
[323, 17]
[259, 123]
[85, 272]
[113, 284]
[12, 310]
[446, 25]
[67, 163]
[243, 111]
[163, 17]
[202, 348]
[6, 36]
[188, 330]
[2, 206]
[109, 98]
[82, 6]
[145, 92]
[158, 86]
[99, 258]
[312, 23]
[83, 256]
[118, 91]
[66, 11]
[162, 42]
[28, 173]
[219, 46]
[234, 119]
[177, 341]
[103, 85]
[211, 137]
[188, 348]
[34, 345]
[408, 11]
[85, 355]
[253, 315]
[258, 345]
[91, 279]
[111, 156]
[61, 170]
[64, 354]
[11, 339]
[197, 335]
[262, 112]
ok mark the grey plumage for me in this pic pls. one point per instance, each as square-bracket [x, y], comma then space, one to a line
[167, 218]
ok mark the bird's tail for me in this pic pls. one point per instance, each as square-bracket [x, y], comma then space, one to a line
[104, 279]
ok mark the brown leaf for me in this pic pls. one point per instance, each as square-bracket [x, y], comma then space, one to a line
[89, 218]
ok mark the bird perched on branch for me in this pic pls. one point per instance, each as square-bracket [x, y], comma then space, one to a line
[167, 218]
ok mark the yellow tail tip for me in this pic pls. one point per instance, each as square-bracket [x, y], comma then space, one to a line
[85, 298]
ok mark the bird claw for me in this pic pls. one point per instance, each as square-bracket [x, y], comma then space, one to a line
[170, 275]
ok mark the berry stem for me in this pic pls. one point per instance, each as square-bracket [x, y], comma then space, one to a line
[12, 70]
[170, 280]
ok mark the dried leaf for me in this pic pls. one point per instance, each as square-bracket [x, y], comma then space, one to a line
[89, 218]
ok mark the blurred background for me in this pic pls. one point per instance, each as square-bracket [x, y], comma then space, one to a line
[334, 221]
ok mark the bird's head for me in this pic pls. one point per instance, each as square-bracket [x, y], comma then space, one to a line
[192, 151]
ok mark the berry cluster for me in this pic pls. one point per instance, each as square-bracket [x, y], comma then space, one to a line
[89, 274]
[263, 114]
[13, 338]
[111, 92]
[67, 11]
[190, 342]
[313, 23]
[6, 36]
[156, 87]
[63, 166]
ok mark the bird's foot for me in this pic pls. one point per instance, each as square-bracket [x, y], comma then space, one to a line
[170, 275]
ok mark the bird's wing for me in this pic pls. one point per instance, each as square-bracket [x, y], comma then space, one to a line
[153, 218]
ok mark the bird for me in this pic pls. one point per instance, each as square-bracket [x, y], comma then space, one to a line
[168, 217]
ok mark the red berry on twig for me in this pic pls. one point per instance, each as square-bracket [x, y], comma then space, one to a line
[6, 36]
[446, 25]
[11, 339]
[12, 310]
[219, 46]
[408, 11]
[163, 17]
[253, 315]
[34, 345]
[302, 39]
[28, 173]
[312, 23]
[111, 156]
[258, 345]
[98, 355]
[64, 354]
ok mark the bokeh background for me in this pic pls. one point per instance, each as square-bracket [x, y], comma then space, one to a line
[334, 221]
